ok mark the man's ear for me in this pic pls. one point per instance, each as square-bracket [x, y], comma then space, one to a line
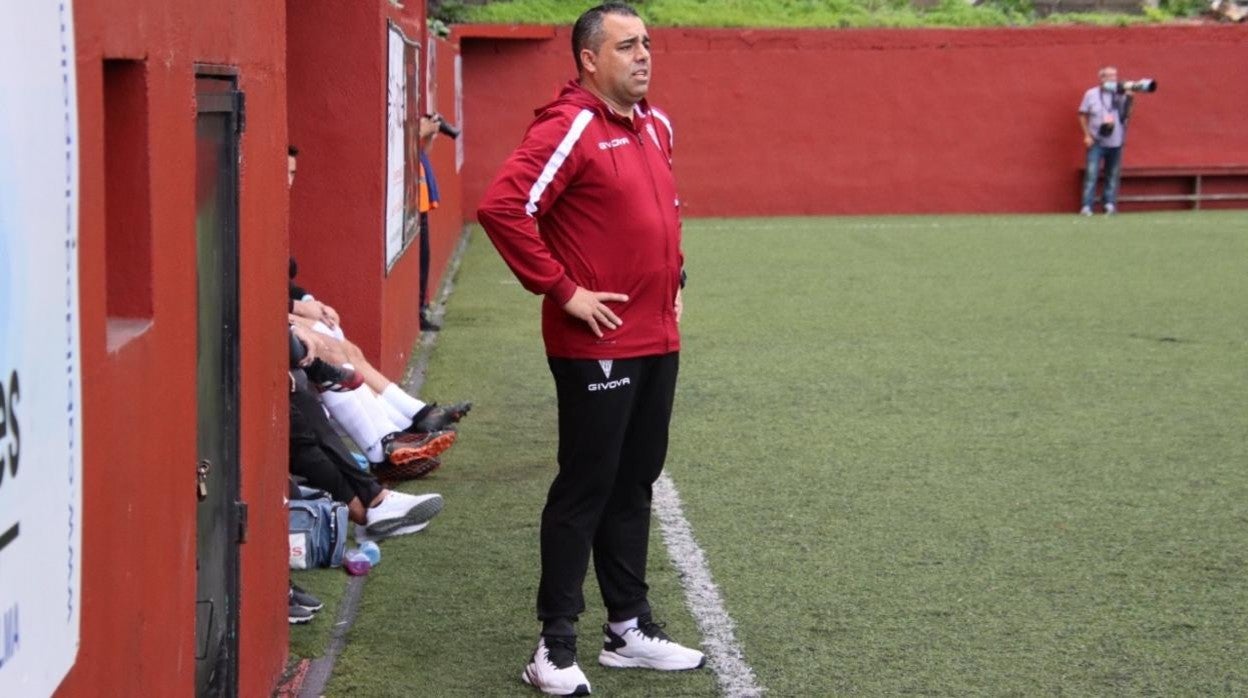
[588, 61]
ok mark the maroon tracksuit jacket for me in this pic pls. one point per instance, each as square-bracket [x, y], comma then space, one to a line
[588, 199]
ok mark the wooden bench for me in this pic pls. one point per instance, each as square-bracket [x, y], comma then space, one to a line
[1192, 184]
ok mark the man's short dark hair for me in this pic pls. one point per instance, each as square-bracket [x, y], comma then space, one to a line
[292, 151]
[587, 32]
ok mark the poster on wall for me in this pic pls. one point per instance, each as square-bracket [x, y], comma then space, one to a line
[396, 118]
[40, 375]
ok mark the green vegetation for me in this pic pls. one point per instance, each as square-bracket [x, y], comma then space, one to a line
[960, 455]
[808, 13]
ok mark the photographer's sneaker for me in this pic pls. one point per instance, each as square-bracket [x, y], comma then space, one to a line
[400, 510]
[647, 647]
[1085, 211]
[1110, 209]
[553, 669]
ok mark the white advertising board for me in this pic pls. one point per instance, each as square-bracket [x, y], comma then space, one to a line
[40, 375]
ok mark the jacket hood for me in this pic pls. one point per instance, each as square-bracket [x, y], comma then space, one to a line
[573, 94]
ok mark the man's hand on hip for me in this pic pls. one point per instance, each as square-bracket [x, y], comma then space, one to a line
[590, 306]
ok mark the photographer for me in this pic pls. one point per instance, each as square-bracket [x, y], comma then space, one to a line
[430, 126]
[1103, 117]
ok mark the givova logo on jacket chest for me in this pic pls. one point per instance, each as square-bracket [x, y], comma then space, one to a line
[613, 143]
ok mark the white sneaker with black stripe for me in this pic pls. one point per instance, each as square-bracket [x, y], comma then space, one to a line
[553, 669]
[647, 647]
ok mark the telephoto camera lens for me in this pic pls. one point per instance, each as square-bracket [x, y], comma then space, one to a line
[448, 130]
[444, 127]
[1141, 85]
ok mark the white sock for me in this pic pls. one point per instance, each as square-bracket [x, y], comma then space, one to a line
[401, 401]
[394, 415]
[360, 414]
[383, 415]
[621, 627]
[377, 409]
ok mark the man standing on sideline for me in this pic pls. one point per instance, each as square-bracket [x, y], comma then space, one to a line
[428, 200]
[1103, 118]
[585, 213]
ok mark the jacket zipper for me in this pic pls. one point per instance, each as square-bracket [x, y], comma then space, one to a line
[667, 256]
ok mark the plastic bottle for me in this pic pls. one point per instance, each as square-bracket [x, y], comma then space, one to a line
[372, 551]
[356, 563]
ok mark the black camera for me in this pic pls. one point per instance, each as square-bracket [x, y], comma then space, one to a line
[1141, 85]
[444, 127]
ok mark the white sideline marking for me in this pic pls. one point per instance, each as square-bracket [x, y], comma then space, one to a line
[735, 677]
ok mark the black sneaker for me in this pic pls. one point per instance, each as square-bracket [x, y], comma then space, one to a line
[300, 597]
[427, 323]
[403, 447]
[298, 615]
[436, 418]
[326, 376]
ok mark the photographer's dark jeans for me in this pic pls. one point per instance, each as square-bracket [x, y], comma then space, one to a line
[1113, 168]
[424, 260]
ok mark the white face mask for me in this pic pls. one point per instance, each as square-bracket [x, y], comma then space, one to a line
[1110, 85]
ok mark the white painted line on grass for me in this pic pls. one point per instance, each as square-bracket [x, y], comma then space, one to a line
[735, 677]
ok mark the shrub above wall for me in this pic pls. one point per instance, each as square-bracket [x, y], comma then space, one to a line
[828, 14]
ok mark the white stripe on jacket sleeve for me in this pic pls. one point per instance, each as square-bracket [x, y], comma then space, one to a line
[671, 135]
[556, 160]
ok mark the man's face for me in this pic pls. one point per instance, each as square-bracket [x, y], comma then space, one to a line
[1109, 75]
[290, 170]
[620, 69]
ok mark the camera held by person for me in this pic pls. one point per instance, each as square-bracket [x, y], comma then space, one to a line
[446, 128]
[1141, 85]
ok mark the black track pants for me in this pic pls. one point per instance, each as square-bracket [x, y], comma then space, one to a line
[613, 423]
[318, 454]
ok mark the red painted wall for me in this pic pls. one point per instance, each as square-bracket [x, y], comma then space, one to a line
[446, 222]
[337, 62]
[139, 416]
[872, 121]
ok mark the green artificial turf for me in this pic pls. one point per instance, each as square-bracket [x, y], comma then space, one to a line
[936, 455]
